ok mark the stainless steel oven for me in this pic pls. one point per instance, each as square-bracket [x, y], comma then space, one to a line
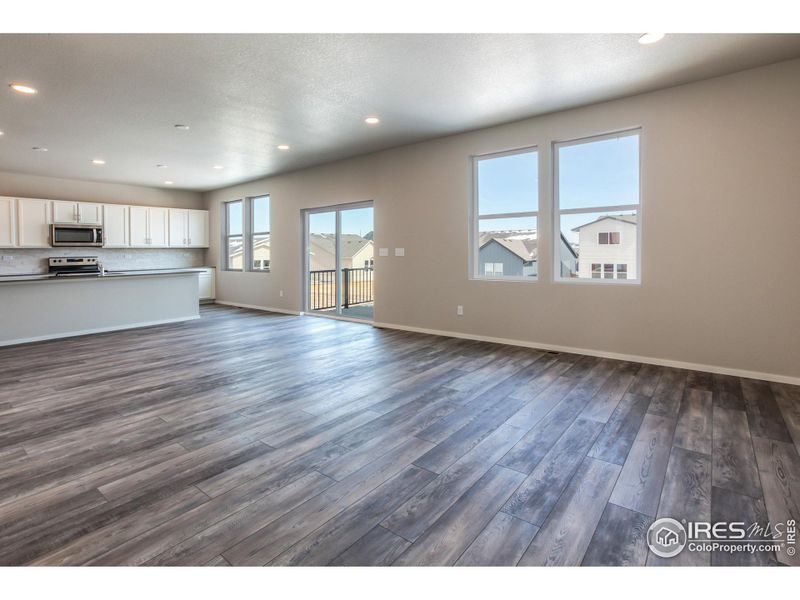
[65, 234]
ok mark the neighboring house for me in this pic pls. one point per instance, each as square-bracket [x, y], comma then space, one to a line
[508, 254]
[608, 248]
[569, 258]
[357, 251]
[260, 255]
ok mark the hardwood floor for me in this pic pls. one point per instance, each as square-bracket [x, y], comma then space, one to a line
[248, 438]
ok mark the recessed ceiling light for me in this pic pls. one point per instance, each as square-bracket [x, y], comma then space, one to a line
[39, 149]
[651, 38]
[283, 147]
[168, 182]
[22, 88]
[2, 133]
[372, 120]
[217, 167]
[160, 166]
[179, 126]
[98, 161]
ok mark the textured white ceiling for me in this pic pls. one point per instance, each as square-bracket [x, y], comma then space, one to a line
[117, 97]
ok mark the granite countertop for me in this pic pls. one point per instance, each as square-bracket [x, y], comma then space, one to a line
[47, 277]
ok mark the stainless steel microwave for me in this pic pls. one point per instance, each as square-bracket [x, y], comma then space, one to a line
[67, 234]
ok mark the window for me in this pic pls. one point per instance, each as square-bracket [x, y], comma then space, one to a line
[608, 237]
[369, 264]
[247, 240]
[596, 208]
[493, 269]
[504, 215]
[259, 240]
[234, 236]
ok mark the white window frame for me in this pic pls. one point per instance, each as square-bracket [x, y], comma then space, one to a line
[226, 236]
[557, 212]
[475, 216]
[250, 235]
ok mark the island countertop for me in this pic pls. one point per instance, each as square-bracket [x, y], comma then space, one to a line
[40, 306]
[49, 278]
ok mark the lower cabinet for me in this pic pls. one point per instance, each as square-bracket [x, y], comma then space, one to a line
[206, 284]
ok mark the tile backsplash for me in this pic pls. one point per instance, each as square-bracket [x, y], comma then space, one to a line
[17, 261]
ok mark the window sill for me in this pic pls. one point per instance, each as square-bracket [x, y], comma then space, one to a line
[506, 279]
[598, 281]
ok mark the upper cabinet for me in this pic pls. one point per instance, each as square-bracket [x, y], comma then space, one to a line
[188, 228]
[178, 227]
[158, 226]
[115, 225]
[8, 222]
[33, 223]
[87, 213]
[197, 229]
[25, 223]
[149, 227]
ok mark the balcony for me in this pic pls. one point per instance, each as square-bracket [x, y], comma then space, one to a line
[357, 292]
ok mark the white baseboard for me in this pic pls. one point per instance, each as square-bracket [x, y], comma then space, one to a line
[285, 311]
[663, 362]
[66, 334]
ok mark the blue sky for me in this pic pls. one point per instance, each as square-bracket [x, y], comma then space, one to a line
[604, 172]
[358, 220]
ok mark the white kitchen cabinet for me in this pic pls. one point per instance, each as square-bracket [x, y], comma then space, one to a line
[158, 227]
[8, 223]
[178, 227]
[206, 284]
[65, 212]
[137, 216]
[33, 223]
[188, 228]
[197, 229]
[88, 213]
[149, 227]
[115, 226]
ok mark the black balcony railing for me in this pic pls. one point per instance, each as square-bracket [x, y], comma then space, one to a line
[356, 288]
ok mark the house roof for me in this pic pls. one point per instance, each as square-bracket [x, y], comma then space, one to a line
[351, 243]
[525, 248]
[631, 219]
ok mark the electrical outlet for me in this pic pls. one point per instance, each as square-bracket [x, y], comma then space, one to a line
[281, 293]
[459, 310]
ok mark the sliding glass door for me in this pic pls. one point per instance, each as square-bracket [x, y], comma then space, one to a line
[339, 260]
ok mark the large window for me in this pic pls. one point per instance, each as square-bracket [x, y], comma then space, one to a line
[246, 232]
[234, 236]
[504, 228]
[596, 200]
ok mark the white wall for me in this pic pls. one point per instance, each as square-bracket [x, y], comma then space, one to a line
[720, 192]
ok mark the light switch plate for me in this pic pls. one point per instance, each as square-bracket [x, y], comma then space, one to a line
[399, 251]
[383, 252]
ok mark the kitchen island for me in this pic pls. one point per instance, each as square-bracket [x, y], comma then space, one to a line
[41, 306]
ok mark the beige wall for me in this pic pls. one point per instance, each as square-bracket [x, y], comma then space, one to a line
[720, 207]
[21, 185]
